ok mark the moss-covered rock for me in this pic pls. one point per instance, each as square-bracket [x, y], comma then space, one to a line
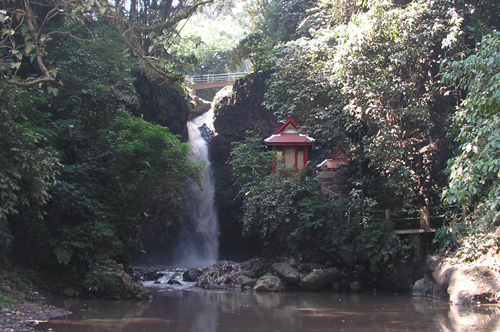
[107, 279]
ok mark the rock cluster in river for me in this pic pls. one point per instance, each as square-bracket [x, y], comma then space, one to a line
[262, 275]
[265, 275]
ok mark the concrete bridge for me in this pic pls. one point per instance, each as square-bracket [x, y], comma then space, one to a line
[213, 80]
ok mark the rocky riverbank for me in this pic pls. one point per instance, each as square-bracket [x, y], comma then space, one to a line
[23, 301]
[267, 275]
[23, 293]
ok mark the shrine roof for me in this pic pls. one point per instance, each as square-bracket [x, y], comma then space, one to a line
[289, 138]
[340, 152]
[289, 134]
[288, 125]
[338, 157]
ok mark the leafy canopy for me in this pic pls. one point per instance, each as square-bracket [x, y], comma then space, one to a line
[474, 171]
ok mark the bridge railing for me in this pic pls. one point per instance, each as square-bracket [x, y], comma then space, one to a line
[213, 78]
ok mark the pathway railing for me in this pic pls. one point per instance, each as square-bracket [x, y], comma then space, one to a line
[212, 78]
[424, 220]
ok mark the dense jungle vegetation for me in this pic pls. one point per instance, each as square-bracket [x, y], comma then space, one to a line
[409, 87]
[93, 109]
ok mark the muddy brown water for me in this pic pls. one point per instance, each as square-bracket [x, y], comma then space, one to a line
[238, 310]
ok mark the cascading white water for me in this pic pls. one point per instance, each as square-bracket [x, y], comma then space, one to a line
[199, 242]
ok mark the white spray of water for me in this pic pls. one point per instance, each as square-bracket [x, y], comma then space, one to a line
[199, 242]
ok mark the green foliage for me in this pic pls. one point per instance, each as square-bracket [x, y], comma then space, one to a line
[210, 35]
[250, 161]
[279, 209]
[467, 241]
[28, 165]
[474, 172]
[151, 163]
[272, 208]
[96, 76]
[273, 22]
[377, 241]
[82, 220]
[387, 61]
[109, 185]
[104, 285]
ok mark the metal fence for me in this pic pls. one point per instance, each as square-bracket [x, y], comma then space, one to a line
[213, 78]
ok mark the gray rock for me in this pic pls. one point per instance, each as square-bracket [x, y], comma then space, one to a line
[191, 275]
[319, 279]
[247, 282]
[418, 288]
[286, 272]
[462, 285]
[269, 283]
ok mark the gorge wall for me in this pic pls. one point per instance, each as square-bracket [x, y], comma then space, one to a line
[237, 111]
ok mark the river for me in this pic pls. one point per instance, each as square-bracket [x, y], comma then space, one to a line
[198, 310]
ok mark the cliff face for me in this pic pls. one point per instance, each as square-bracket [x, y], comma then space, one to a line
[236, 111]
[164, 104]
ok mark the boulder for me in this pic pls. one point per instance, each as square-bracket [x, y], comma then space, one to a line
[473, 285]
[247, 282]
[191, 274]
[269, 283]
[461, 284]
[107, 279]
[286, 272]
[320, 279]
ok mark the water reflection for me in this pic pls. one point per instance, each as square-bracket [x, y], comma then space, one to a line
[213, 311]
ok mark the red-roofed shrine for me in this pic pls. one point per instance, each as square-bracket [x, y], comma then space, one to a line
[292, 144]
[337, 158]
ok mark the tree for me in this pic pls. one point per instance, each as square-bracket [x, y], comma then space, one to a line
[24, 36]
[474, 171]
[29, 166]
[279, 209]
[97, 76]
[387, 65]
[147, 30]
[133, 172]
[152, 167]
[250, 161]
[301, 86]
[273, 22]
[207, 37]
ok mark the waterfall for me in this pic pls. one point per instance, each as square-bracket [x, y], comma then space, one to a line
[199, 241]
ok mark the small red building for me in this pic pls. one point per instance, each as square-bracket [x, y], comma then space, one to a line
[335, 160]
[331, 176]
[293, 145]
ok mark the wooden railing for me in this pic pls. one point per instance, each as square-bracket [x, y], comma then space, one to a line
[424, 220]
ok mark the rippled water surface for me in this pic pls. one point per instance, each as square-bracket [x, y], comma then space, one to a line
[235, 310]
